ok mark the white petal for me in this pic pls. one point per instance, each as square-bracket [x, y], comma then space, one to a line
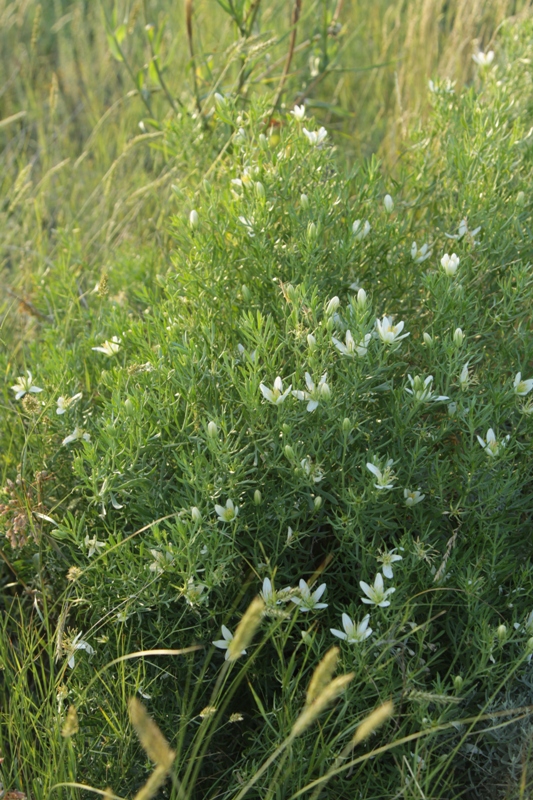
[338, 634]
[317, 594]
[226, 633]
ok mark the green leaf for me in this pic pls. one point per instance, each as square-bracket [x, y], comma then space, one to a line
[113, 46]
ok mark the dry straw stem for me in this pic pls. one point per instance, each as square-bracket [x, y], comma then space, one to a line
[322, 675]
[310, 713]
[246, 628]
[150, 737]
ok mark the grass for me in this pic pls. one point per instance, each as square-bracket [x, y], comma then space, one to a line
[173, 490]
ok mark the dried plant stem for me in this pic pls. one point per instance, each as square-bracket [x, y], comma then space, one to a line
[294, 24]
[155, 60]
[188, 24]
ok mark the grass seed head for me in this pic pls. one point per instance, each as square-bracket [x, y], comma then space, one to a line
[246, 628]
[153, 742]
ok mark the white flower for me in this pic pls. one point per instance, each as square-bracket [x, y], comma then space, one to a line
[491, 446]
[376, 595]
[389, 333]
[388, 559]
[412, 497]
[194, 219]
[388, 202]
[93, 545]
[78, 644]
[350, 348]
[483, 59]
[161, 560]
[224, 643]
[332, 306]
[351, 633]
[195, 593]
[25, 385]
[64, 403]
[522, 387]
[464, 377]
[449, 264]
[420, 254]
[227, 513]
[298, 112]
[361, 298]
[458, 337]
[308, 601]
[427, 339]
[361, 232]
[311, 470]
[311, 341]
[275, 395]
[268, 594]
[196, 514]
[421, 390]
[386, 477]
[212, 430]
[109, 348]
[463, 231]
[314, 393]
[248, 224]
[76, 435]
[315, 137]
[273, 598]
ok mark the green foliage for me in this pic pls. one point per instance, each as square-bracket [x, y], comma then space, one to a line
[217, 413]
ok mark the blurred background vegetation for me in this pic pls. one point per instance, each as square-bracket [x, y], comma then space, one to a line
[77, 78]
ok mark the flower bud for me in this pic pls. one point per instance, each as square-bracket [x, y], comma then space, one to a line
[212, 430]
[311, 341]
[361, 298]
[195, 514]
[502, 632]
[428, 339]
[220, 100]
[260, 191]
[317, 502]
[304, 201]
[458, 683]
[520, 199]
[325, 391]
[246, 294]
[332, 306]
[128, 406]
[458, 337]
[257, 497]
[263, 141]
[312, 232]
[347, 425]
[289, 452]
[388, 202]
[286, 429]
[529, 645]
[291, 293]
[194, 219]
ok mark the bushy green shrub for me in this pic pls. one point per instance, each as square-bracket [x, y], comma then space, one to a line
[331, 384]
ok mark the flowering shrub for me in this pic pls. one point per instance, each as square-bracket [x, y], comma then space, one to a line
[307, 400]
